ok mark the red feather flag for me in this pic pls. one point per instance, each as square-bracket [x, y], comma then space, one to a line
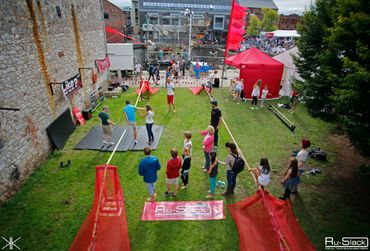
[236, 28]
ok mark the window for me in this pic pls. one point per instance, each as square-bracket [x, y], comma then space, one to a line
[175, 21]
[218, 22]
[165, 21]
[153, 20]
[106, 15]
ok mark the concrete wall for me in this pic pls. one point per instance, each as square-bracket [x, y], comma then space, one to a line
[38, 47]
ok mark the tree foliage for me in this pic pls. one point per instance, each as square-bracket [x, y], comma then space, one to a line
[254, 26]
[334, 62]
[270, 19]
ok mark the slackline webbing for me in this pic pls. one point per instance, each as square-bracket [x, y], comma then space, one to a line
[236, 143]
[91, 247]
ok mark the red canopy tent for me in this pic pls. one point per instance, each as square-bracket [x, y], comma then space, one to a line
[254, 65]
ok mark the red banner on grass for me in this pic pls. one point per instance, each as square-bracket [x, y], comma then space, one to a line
[183, 210]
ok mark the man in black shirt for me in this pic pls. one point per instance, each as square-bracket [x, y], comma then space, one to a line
[216, 120]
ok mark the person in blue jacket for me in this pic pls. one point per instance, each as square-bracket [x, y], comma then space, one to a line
[148, 168]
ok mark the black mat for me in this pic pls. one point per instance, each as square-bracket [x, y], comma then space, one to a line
[60, 129]
[94, 138]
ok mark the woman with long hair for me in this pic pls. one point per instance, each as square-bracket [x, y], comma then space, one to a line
[291, 179]
[149, 114]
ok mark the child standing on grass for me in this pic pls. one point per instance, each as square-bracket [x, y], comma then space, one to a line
[255, 94]
[238, 90]
[264, 94]
[186, 156]
[213, 171]
[207, 145]
[170, 95]
[172, 173]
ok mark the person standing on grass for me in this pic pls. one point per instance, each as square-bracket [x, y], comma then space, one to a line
[291, 179]
[302, 159]
[172, 173]
[107, 126]
[130, 117]
[230, 160]
[151, 71]
[157, 74]
[207, 145]
[213, 172]
[187, 151]
[138, 70]
[255, 94]
[149, 114]
[262, 173]
[170, 95]
[216, 120]
[238, 90]
[264, 94]
[293, 100]
[148, 168]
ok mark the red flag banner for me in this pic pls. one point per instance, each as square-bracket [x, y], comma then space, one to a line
[114, 31]
[236, 28]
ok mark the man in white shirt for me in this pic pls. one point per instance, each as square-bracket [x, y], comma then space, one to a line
[170, 95]
[138, 69]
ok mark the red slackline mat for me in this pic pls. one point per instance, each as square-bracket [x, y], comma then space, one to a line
[146, 88]
[111, 231]
[198, 90]
[267, 223]
[183, 210]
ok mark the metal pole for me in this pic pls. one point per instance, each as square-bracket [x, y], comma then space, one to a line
[189, 50]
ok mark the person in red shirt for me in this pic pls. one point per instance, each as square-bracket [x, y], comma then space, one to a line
[173, 172]
[293, 100]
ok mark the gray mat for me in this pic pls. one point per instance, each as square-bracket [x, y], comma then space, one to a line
[94, 138]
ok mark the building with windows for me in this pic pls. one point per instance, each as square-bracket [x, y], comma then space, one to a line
[116, 18]
[164, 21]
[288, 22]
[255, 7]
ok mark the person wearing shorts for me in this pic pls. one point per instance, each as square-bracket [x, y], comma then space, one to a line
[107, 126]
[130, 116]
[148, 168]
[173, 173]
[170, 95]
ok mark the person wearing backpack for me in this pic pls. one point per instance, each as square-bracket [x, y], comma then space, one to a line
[151, 71]
[234, 165]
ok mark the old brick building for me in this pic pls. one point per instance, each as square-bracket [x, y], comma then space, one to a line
[288, 22]
[116, 18]
[43, 42]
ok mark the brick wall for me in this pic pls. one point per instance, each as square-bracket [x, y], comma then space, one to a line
[115, 18]
[38, 46]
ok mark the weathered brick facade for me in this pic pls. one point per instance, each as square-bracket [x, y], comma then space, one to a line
[41, 42]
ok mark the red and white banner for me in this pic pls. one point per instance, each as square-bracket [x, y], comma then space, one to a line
[183, 210]
[103, 64]
[71, 85]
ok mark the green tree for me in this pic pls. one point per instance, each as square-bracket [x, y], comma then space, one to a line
[254, 27]
[270, 19]
[334, 60]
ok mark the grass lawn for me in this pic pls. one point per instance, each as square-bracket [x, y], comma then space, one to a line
[50, 207]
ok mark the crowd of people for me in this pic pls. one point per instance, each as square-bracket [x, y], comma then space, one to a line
[269, 45]
[180, 167]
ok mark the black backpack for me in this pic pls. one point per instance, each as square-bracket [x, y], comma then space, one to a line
[238, 164]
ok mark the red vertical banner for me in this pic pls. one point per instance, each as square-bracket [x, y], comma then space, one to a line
[236, 27]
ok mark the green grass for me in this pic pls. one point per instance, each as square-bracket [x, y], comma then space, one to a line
[50, 207]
